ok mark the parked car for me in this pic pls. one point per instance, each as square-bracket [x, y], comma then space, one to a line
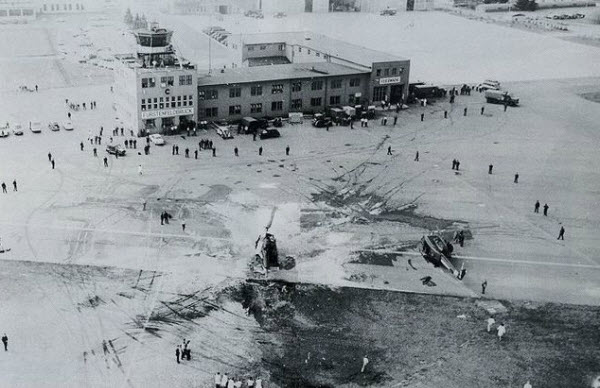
[482, 87]
[4, 133]
[428, 91]
[388, 12]
[269, 133]
[501, 97]
[254, 14]
[53, 126]
[18, 130]
[277, 122]
[279, 15]
[157, 139]
[321, 121]
[250, 125]
[224, 132]
[68, 126]
[35, 126]
[116, 149]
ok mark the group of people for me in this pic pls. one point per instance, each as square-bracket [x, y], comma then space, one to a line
[74, 106]
[225, 381]
[500, 329]
[183, 352]
[14, 186]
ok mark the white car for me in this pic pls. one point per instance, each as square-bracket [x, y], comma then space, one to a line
[157, 139]
[18, 130]
[35, 126]
[53, 126]
[68, 126]
[485, 86]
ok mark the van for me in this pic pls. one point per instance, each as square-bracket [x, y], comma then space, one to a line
[500, 97]
[250, 125]
[429, 91]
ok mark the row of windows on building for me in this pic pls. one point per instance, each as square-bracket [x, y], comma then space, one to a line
[65, 7]
[277, 106]
[263, 47]
[167, 81]
[16, 12]
[257, 90]
[388, 71]
[167, 102]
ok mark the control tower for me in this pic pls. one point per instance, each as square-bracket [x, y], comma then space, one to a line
[155, 89]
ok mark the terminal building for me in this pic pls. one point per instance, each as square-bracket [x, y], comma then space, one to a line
[17, 10]
[155, 91]
[300, 72]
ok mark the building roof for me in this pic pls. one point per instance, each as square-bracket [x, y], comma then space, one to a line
[277, 72]
[324, 44]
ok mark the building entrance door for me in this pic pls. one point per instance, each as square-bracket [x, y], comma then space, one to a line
[308, 5]
[223, 9]
[396, 93]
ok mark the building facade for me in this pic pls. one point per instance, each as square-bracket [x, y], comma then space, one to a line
[155, 91]
[70, 6]
[17, 9]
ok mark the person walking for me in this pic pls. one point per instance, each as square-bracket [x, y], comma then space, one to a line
[49, 157]
[69, 115]
[4, 187]
[287, 151]
[527, 385]
[15, 185]
[465, 111]
[140, 169]
[422, 116]
[490, 168]
[454, 164]
[224, 380]
[214, 152]
[482, 110]
[417, 156]
[445, 114]
[351, 124]
[490, 322]
[365, 362]
[183, 226]
[173, 150]
[501, 331]
[95, 152]
[561, 233]
[516, 178]
[395, 119]
[235, 151]
[536, 207]
[52, 163]
[144, 203]
[177, 353]
[5, 342]
[218, 380]
[546, 209]
[389, 151]
[483, 287]
[260, 150]
[195, 154]
[187, 152]
[105, 161]
[505, 106]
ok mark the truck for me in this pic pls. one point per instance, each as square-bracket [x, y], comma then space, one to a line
[428, 91]
[501, 97]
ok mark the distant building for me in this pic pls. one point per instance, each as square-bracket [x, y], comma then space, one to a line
[154, 90]
[69, 6]
[17, 9]
[197, 7]
[300, 72]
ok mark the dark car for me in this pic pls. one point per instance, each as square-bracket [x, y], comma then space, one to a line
[115, 150]
[321, 121]
[269, 133]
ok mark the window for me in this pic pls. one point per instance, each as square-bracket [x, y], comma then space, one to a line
[263, 47]
[277, 89]
[394, 71]
[354, 82]
[166, 81]
[255, 108]
[256, 91]
[308, 51]
[318, 54]
[297, 86]
[155, 103]
[212, 112]
[235, 92]
[315, 101]
[379, 93]
[276, 105]
[201, 95]
[235, 110]
[351, 99]
[336, 84]
[335, 100]
[281, 47]
[299, 49]
[143, 104]
[316, 85]
[250, 48]
[386, 72]
[211, 94]
[190, 99]
[184, 80]
[148, 83]
[173, 103]
[45, 9]
[378, 72]
[297, 104]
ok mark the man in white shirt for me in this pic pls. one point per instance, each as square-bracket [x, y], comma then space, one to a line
[364, 364]
[527, 385]
[258, 383]
[250, 382]
[224, 380]
[218, 380]
[501, 331]
[490, 322]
